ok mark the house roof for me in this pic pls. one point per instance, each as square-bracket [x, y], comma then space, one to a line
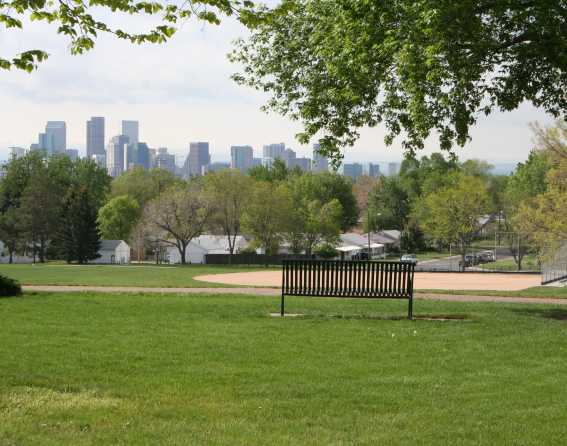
[110, 245]
[353, 239]
[216, 244]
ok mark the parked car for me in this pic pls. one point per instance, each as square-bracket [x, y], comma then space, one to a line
[360, 256]
[471, 260]
[486, 256]
[411, 258]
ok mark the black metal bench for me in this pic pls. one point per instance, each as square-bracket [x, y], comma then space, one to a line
[337, 278]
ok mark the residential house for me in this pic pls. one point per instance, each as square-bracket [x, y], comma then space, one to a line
[113, 252]
[200, 246]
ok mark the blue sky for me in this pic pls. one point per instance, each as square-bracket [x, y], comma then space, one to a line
[181, 92]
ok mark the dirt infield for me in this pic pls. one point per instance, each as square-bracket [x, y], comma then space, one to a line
[423, 281]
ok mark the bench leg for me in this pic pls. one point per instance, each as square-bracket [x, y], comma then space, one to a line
[410, 308]
[282, 306]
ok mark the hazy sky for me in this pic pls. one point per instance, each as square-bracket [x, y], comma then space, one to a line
[181, 92]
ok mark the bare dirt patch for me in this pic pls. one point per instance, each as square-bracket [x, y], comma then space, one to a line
[423, 281]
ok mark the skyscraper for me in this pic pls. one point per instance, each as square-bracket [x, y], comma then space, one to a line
[320, 162]
[353, 170]
[115, 151]
[288, 157]
[273, 151]
[95, 137]
[56, 137]
[164, 160]
[372, 170]
[131, 130]
[241, 157]
[17, 152]
[143, 155]
[197, 159]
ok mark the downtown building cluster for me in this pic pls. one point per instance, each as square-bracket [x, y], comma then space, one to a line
[125, 151]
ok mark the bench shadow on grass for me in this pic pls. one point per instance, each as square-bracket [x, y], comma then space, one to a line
[558, 314]
[377, 317]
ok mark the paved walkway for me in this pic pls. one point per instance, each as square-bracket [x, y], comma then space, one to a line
[276, 292]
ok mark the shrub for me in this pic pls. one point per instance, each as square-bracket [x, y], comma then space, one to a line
[326, 251]
[9, 287]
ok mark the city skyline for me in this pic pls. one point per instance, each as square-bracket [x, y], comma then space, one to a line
[216, 154]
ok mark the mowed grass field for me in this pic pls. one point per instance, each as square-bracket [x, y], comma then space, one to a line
[155, 276]
[100, 369]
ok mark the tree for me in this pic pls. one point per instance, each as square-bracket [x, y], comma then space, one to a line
[451, 215]
[544, 217]
[11, 230]
[41, 212]
[80, 21]
[276, 172]
[523, 186]
[17, 174]
[78, 239]
[268, 215]
[177, 216]
[143, 185]
[389, 205]
[323, 188]
[118, 217]
[322, 224]
[227, 192]
[419, 68]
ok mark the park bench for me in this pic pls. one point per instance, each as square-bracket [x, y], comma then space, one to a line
[338, 278]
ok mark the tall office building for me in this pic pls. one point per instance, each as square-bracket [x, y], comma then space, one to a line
[143, 155]
[288, 157]
[353, 170]
[17, 152]
[131, 130]
[303, 163]
[371, 170]
[164, 160]
[241, 157]
[95, 137]
[273, 150]
[115, 153]
[320, 162]
[197, 159]
[55, 137]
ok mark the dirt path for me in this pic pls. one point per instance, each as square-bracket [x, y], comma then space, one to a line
[422, 281]
[276, 292]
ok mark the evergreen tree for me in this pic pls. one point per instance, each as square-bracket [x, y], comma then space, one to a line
[78, 240]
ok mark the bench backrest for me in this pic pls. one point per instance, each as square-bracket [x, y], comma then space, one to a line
[338, 278]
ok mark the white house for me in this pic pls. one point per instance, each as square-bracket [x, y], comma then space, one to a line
[113, 252]
[353, 244]
[203, 245]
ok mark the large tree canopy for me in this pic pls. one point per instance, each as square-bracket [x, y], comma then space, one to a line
[81, 21]
[418, 67]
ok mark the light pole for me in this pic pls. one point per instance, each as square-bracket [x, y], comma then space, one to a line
[368, 230]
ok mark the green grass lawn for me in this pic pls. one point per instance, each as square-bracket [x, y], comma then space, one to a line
[117, 275]
[141, 369]
[538, 291]
[529, 263]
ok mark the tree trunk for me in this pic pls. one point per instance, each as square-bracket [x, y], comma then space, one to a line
[11, 260]
[182, 250]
